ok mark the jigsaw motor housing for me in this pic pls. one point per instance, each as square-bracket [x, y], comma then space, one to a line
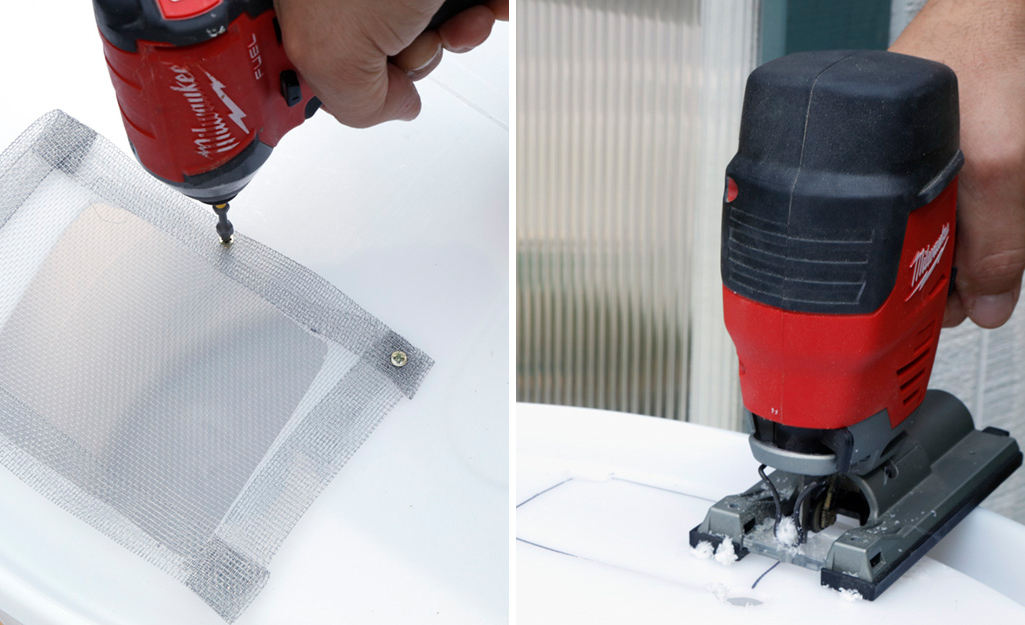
[838, 231]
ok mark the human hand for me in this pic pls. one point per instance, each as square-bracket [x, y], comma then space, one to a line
[984, 43]
[361, 57]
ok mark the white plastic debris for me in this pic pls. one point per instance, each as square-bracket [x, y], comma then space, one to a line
[724, 553]
[703, 550]
[850, 595]
[720, 591]
[786, 532]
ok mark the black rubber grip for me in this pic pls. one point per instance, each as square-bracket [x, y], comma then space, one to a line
[836, 149]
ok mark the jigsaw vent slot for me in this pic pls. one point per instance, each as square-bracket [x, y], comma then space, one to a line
[918, 375]
[764, 258]
[910, 397]
[911, 376]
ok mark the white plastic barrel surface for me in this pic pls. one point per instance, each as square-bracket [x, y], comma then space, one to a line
[605, 504]
[411, 220]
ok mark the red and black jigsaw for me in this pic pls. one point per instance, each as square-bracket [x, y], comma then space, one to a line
[837, 244]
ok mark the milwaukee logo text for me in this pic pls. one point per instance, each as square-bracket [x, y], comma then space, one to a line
[926, 260]
[213, 135]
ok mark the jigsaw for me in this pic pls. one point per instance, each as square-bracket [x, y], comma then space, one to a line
[838, 230]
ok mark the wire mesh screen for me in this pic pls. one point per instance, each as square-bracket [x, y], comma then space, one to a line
[186, 399]
[627, 115]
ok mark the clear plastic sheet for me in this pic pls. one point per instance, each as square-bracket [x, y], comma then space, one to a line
[186, 399]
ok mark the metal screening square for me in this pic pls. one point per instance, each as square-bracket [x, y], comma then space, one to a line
[187, 399]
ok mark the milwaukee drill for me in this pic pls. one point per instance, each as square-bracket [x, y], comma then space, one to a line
[205, 89]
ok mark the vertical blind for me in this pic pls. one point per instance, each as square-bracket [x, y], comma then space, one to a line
[628, 112]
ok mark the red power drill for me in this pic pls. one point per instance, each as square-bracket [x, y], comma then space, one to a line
[837, 246]
[206, 90]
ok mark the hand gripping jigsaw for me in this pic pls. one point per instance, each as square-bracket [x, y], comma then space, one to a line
[206, 90]
[837, 243]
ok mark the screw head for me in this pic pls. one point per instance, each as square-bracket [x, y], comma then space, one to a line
[399, 358]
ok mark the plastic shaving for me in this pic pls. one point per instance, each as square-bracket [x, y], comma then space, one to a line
[724, 553]
[850, 595]
[786, 532]
[703, 551]
[720, 591]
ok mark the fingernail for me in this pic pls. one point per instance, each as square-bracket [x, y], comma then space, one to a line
[990, 311]
[469, 47]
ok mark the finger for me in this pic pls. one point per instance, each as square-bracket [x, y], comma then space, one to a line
[393, 97]
[500, 8]
[350, 74]
[403, 101]
[468, 29]
[991, 240]
[954, 313]
[421, 57]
